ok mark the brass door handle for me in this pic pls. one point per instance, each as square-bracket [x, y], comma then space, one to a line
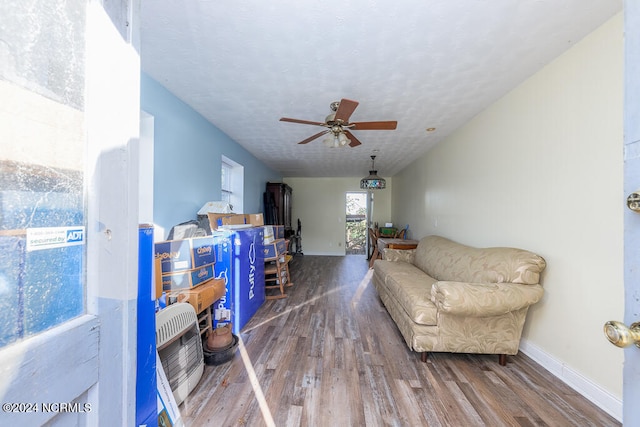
[620, 335]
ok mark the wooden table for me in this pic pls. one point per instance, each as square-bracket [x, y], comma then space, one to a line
[384, 242]
[391, 243]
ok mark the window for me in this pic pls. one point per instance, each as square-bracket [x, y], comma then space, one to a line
[42, 203]
[226, 179]
[232, 184]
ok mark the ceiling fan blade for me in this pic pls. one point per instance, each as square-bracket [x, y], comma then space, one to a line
[345, 109]
[304, 122]
[311, 138]
[354, 141]
[385, 125]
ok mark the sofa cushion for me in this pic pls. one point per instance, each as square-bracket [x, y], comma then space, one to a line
[444, 259]
[483, 299]
[411, 288]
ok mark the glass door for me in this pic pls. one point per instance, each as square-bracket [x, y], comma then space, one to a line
[356, 223]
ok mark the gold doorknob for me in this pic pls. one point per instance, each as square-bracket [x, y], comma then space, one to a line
[622, 336]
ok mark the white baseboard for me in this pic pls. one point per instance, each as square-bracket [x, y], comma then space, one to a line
[323, 253]
[586, 387]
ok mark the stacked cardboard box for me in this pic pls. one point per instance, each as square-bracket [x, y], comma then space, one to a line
[278, 231]
[220, 220]
[185, 271]
[202, 296]
[185, 263]
[275, 248]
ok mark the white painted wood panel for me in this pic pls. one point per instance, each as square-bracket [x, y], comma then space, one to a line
[57, 366]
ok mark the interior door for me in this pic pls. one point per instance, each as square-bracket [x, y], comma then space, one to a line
[631, 373]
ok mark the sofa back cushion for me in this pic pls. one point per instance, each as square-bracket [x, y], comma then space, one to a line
[444, 259]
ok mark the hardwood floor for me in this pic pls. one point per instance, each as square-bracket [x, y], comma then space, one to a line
[329, 355]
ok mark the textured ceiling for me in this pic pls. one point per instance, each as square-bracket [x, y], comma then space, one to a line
[430, 63]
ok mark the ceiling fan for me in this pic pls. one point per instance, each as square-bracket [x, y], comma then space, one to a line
[338, 126]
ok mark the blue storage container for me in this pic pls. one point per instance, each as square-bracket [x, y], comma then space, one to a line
[146, 383]
[240, 262]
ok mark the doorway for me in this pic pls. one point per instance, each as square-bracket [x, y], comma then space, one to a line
[356, 223]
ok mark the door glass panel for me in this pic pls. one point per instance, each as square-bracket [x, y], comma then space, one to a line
[356, 223]
[42, 140]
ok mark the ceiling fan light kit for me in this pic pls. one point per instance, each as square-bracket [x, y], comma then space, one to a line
[373, 181]
[336, 140]
[339, 130]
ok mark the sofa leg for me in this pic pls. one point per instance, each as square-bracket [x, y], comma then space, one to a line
[423, 356]
[502, 359]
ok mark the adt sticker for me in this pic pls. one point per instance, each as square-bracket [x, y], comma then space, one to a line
[54, 237]
[75, 235]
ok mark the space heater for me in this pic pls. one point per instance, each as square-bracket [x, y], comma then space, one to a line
[180, 348]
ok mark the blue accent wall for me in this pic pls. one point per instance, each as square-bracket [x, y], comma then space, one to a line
[187, 159]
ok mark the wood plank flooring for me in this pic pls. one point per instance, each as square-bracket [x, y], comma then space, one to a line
[330, 355]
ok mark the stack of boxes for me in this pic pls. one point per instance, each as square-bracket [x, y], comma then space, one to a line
[224, 270]
[185, 263]
[275, 248]
[186, 271]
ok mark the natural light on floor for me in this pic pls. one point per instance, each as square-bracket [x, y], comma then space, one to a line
[255, 384]
[257, 389]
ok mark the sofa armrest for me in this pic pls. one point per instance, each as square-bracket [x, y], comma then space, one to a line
[483, 299]
[406, 255]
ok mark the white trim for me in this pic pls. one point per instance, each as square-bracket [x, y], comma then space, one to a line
[583, 385]
[144, 150]
[112, 114]
[227, 177]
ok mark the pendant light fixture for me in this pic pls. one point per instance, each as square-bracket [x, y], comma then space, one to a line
[373, 181]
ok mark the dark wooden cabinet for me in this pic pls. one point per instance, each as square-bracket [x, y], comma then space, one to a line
[277, 205]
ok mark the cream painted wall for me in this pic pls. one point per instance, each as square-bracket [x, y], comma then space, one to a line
[541, 169]
[320, 203]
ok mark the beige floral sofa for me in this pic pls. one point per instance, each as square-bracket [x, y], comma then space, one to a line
[448, 297]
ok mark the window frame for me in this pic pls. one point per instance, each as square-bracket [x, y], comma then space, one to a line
[235, 192]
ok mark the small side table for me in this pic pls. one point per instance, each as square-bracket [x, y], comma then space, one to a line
[391, 244]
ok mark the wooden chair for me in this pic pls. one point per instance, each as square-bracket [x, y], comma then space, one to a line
[373, 242]
[276, 273]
